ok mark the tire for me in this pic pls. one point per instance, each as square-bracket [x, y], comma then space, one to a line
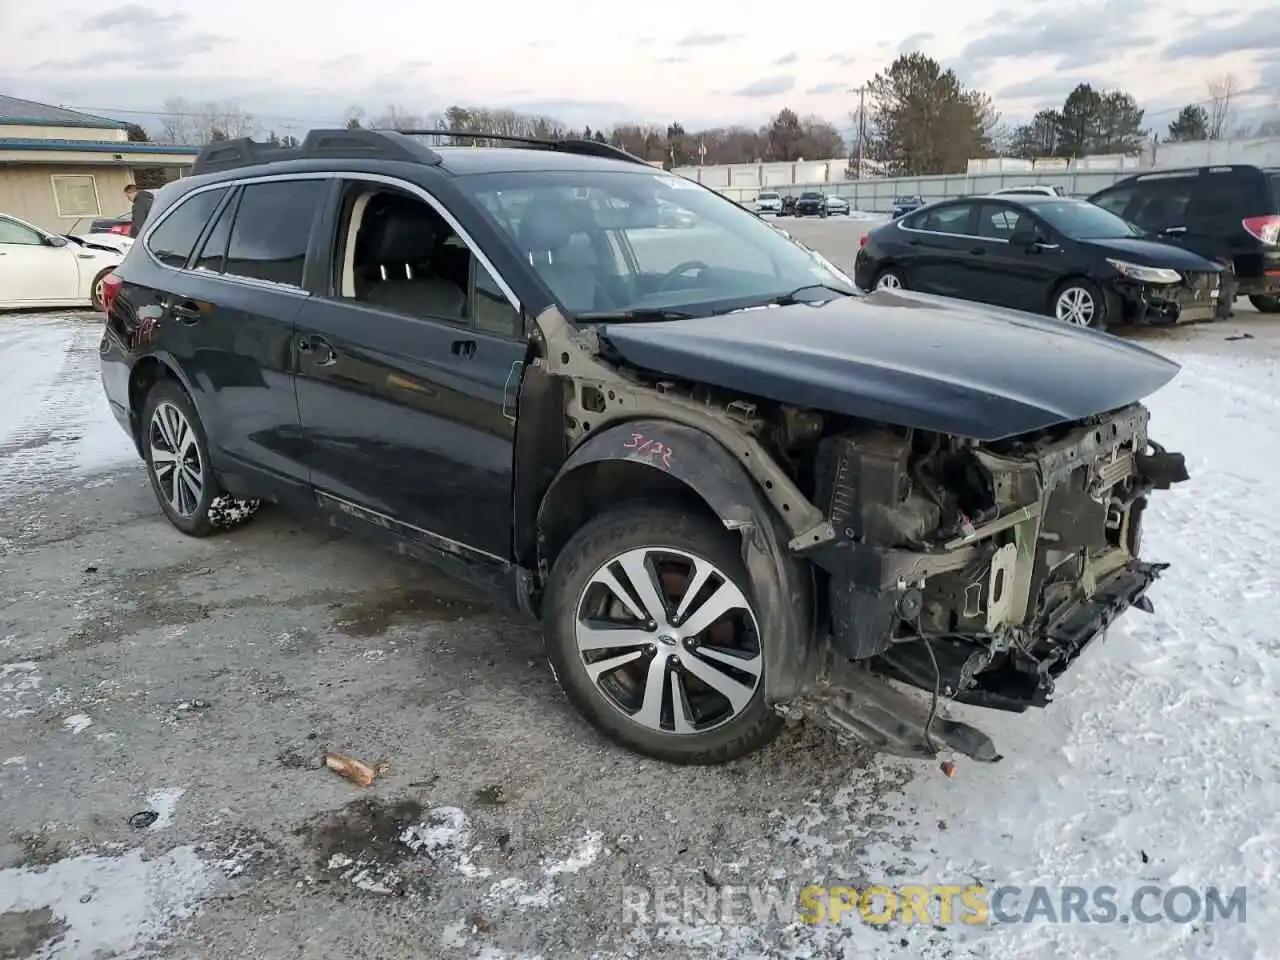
[890, 278]
[95, 290]
[638, 535]
[1090, 304]
[1265, 304]
[173, 437]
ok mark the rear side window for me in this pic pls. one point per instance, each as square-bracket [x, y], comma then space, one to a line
[213, 255]
[1114, 201]
[945, 220]
[1224, 195]
[174, 239]
[1162, 203]
[273, 230]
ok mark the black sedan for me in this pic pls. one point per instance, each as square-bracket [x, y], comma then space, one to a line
[1054, 255]
[811, 204]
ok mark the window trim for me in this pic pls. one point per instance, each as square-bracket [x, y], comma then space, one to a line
[97, 198]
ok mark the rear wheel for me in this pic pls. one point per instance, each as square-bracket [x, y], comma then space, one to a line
[652, 634]
[1080, 303]
[1265, 304]
[176, 451]
[890, 278]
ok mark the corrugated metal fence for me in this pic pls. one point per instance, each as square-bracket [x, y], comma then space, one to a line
[876, 196]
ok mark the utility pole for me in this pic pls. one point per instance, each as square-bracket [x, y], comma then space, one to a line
[862, 126]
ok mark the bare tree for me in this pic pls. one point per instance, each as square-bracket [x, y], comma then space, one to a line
[175, 122]
[1222, 90]
[398, 118]
[354, 117]
[199, 123]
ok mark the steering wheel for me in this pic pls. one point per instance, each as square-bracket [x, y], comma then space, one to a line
[678, 269]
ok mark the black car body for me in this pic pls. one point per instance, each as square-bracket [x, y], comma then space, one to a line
[1048, 255]
[811, 204]
[1229, 214]
[118, 225]
[788, 206]
[732, 488]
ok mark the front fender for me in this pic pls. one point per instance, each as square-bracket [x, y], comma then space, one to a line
[782, 585]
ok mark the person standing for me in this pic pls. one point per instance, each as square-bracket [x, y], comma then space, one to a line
[141, 201]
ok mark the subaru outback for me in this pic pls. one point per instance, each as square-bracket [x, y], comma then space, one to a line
[733, 489]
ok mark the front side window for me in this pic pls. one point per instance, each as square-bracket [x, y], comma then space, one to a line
[16, 233]
[603, 241]
[272, 230]
[174, 239]
[944, 220]
[999, 222]
[396, 253]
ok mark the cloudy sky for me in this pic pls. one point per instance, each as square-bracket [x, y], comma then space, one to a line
[304, 62]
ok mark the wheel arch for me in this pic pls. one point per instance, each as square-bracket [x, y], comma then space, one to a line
[1112, 305]
[659, 459]
[144, 374]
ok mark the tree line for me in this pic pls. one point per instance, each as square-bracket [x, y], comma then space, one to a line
[919, 119]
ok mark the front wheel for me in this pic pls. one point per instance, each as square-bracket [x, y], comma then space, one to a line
[652, 634]
[176, 451]
[1080, 303]
[1265, 304]
[97, 292]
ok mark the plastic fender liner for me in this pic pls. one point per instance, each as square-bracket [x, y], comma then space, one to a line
[782, 584]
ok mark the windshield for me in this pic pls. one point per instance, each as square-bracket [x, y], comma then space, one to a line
[607, 241]
[810, 196]
[1084, 221]
[768, 196]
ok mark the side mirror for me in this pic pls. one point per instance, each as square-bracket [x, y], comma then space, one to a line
[56, 241]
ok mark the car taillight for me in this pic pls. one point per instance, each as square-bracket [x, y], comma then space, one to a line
[1266, 229]
[111, 285]
[863, 240]
[120, 228]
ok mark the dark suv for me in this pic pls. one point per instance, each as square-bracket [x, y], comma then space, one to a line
[1230, 214]
[811, 204]
[732, 489]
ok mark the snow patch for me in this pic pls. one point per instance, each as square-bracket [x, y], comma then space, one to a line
[445, 835]
[164, 803]
[77, 723]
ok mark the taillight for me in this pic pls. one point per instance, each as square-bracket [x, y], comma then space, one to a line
[1266, 229]
[111, 285]
[120, 228]
[864, 240]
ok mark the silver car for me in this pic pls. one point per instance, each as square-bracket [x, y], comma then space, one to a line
[837, 204]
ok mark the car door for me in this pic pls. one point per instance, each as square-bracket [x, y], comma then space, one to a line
[938, 242]
[409, 362]
[33, 270]
[230, 318]
[1015, 276]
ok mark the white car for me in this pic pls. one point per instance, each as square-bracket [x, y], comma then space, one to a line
[837, 204]
[769, 202]
[42, 269]
[1039, 189]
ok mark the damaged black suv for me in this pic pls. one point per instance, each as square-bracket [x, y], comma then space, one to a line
[733, 488]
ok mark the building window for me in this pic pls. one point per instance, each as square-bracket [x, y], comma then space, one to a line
[76, 196]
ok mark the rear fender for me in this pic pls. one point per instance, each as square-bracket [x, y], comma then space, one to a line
[782, 585]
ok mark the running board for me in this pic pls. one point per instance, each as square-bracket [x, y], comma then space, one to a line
[861, 707]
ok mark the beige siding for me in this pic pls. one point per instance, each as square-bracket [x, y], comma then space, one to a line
[26, 192]
[20, 132]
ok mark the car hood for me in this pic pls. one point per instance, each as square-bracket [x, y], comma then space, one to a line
[909, 359]
[1153, 253]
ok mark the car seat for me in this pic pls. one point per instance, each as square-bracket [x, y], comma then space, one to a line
[544, 232]
[399, 246]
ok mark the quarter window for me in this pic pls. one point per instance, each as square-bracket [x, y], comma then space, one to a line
[273, 230]
[173, 241]
[213, 255]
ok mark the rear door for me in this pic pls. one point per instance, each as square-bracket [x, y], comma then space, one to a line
[231, 316]
[938, 244]
[410, 354]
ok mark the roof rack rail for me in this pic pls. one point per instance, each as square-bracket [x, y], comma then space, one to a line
[317, 145]
[586, 148]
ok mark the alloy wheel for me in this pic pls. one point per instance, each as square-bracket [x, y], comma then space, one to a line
[176, 459]
[1075, 306]
[100, 292]
[890, 281]
[669, 640]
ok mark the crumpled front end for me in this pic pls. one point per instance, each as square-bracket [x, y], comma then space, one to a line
[981, 572]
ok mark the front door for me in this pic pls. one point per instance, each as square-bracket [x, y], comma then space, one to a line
[409, 360]
[1019, 277]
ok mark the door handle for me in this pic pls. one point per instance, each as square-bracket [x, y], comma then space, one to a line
[319, 350]
[978, 251]
[463, 348]
[1174, 230]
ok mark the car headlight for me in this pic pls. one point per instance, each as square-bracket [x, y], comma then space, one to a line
[1135, 271]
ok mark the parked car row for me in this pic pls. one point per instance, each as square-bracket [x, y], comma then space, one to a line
[1153, 248]
[811, 203]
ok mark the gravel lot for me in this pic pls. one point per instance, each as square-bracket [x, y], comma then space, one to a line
[198, 684]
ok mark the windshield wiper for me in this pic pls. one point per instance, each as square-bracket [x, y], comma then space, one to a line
[639, 315]
[789, 299]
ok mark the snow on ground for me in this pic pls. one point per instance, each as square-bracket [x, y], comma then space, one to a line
[54, 418]
[1156, 766]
